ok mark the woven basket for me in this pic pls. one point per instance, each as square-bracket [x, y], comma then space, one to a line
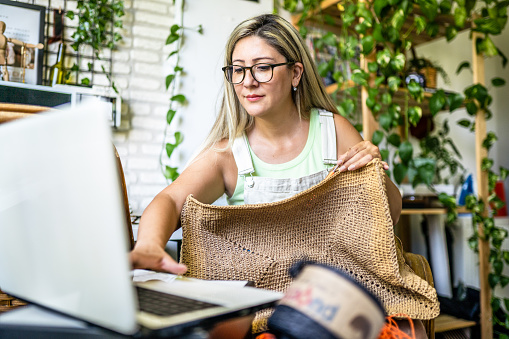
[8, 303]
[430, 74]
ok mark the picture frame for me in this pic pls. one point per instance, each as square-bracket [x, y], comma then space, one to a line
[24, 22]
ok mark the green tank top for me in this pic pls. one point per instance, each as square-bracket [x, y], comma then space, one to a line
[309, 161]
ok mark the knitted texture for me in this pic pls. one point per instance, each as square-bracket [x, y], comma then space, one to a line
[344, 221]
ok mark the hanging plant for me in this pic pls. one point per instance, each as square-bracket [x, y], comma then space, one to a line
[384, 31]
[176, 37]
[96, 22]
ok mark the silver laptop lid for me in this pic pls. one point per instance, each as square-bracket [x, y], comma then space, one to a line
[61, 224]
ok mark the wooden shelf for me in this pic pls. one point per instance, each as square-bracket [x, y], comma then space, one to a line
[430, 211]
[445, 322]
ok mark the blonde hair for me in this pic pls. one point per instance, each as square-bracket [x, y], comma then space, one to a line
[232, 118]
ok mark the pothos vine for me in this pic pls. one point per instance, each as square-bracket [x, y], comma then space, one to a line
[176, 36]
[376, 28]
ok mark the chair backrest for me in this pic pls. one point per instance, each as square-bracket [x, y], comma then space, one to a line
[127, 212]
[10, 112]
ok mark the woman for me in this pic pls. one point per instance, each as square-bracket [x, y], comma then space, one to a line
[264, 133]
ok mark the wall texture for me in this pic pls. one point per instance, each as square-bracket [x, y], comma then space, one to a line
[140, 68]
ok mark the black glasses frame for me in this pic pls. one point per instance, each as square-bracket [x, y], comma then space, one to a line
[250, 68]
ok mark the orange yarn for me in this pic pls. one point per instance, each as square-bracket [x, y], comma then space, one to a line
[391, 329]
[266, 336]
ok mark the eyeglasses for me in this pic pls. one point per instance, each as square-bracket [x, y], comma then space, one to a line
[261, 72]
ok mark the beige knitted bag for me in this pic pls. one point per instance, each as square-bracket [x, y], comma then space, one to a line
[343, 221]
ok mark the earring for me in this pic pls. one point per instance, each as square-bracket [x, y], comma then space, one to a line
[295, 89]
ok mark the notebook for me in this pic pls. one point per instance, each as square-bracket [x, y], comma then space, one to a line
[64, 238]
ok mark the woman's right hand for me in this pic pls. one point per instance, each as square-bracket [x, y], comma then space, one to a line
[154, 258]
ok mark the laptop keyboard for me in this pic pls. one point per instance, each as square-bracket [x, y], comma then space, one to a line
[164, 304]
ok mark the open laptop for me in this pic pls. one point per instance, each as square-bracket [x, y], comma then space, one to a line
[64, 238]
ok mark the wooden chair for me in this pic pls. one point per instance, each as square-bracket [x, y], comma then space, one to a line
[10, 112]
[421, 267]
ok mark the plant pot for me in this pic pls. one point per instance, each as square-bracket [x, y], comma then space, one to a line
[430, 74]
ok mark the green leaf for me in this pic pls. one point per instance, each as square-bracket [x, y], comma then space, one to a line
[489, 141]
[169, 79]
[493, 280]
[393, 83]
[398, 62]
[379, 80]
[174, 29]
[429, 8]
[172, 38]
[394, 139]
[379, 5]
[437, 102]
[171, 173]
[386, 98]
[170, 148]
[406, 151]
[178, 69]
[464, 64]
[330, 39]
[385, 121]
[487, 25]
[504, 172]
[170, 115]
[420, 24]
[451, 32]
[178, 98]
[372, 67]
[471, 108]
[348, 106]
[383, 58]
[172, 54]
[432, 29]
[85, 81]
[487, 47]
[323, 69]
[398, 19]
[377, 137]
[445, 6]
[460, 16]
[455, 101]
[414, 89]
[497, 82]
[367, 44]
[377, 33]
[70, 15]
[498, 266]
[464, 123]
[399, 172]
[179, 138]
[414, 115]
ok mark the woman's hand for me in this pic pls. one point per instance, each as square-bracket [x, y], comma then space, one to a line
[358, 156]
[154, 258]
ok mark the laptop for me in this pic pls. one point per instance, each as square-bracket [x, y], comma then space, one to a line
[64, 239]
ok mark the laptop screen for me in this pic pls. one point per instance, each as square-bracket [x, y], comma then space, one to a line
[61, 217]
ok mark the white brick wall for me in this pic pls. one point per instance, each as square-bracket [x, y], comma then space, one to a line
[139, 74]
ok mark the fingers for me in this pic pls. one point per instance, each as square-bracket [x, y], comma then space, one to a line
[170, 265]
[359, 155]
[156, 260]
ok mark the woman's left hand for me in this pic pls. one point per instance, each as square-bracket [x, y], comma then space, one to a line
[358, 156]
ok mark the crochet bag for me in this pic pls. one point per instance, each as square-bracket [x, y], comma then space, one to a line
[344, 221]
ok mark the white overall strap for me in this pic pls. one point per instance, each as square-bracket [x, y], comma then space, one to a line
[329, 152]
[242, 156]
